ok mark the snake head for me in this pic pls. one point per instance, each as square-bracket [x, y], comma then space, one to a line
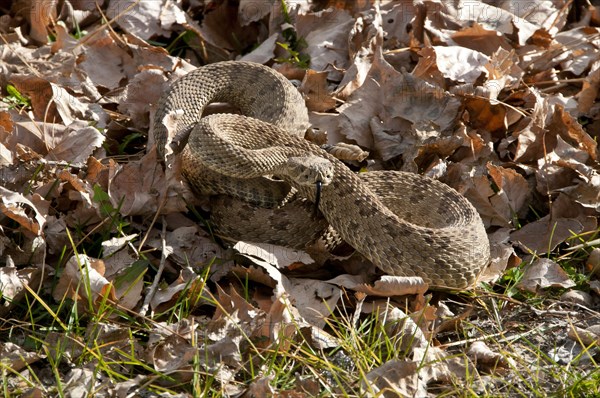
[309, 170]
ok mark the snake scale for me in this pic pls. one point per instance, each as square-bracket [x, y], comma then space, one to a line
[406, 224]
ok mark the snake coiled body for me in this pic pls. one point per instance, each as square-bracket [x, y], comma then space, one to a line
[406, 224]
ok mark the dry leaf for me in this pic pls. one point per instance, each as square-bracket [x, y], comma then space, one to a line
[316, 92]
[16, 357]
[461, 64]
[586, 337]
[589, 90]
[580, 53]
[513, 192]
[188, 281]
[544, 235]
[277, 256]
[41, 14]
[146, 19]
[326, 34]
[394, 112]
[145, 88]
[503, 256]
[479, 39]
[263, 53]
[20, 209]
[542, 274]
[395, 378]
[83, 278]
[486, 359]
[314, 299]
[140, 187]
[76, 145]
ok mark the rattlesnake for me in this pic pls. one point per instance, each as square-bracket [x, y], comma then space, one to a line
[406, 224]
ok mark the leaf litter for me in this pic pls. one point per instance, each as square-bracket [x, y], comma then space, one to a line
[497, 101]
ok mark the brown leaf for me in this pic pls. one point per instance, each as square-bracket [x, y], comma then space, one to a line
[81, 272]
[146, 19]
[190, 245]
[105, 63]
[20, 209]
[41, 14]
[544, 273]
[76, 145]
[589, 90]
[488, 360]
[565, 125]
[16, 357]
[513, 191]
[593, 262]
[327, 34]
[397, 19]
[544, 235]
[172, 355]
[264, 52]
[145, 88]
[485, 115]
[264, 254]
[252, 11]
[533, 140]
[400, 377]
[221, 31]
[140, 187]
[30, 136]
[13, 282]
[461, 64]
[503, 256]
[39, 91]
[64, 41]
[314, 299]
[477, 38]
[168, 296]
[586, 337]
[393, 111]
[6, 125]
[316, 92]
[261, 387]
[578, 53]
[478, 190]
[72, 110]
